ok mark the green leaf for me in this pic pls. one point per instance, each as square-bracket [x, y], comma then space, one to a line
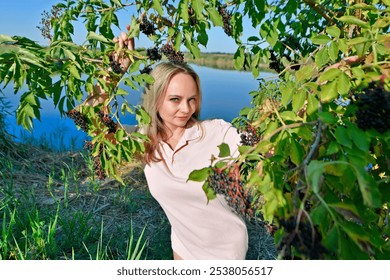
[322, 57]
[287, 93]
[327, 117]
[304, 73]
[329, 92]
[298, 100]
[333, 31]
[330, 75]
[6, 38]
[343, 84]
[199, 175]
[214, 16]
[239, 58]
[210, 193]
[353, 20]
[333, 51]
[74, 72]
[157, 7]
[315, 169]
[94, 36]
[296, 152]
[183, 10]
[359, 137]
[342, 137]
[289, 116]
[198, 5]
[224, 150]
[320, 39]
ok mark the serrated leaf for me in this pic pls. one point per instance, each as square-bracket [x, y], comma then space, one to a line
[342, 137]
[287, 93]
[298, 100]
[327, 117]
[94, 36]
[199, 175]
[296, 152]
[359, 137]
[74, 72]
[239, 58]
[322, 57]
[354, 20]
[183, 10]
[333, 51]
[320, 39]
[333, 31]
[329, 92]
[330, 75]
[157, 7]
[214, 16]
[224, 150]
[343, 84]
[304, 73]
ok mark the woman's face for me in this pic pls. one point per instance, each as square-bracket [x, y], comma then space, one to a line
[180, 101]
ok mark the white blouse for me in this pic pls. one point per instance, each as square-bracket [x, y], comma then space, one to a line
[199, 230]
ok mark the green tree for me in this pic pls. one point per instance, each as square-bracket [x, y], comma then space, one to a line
[328, 196]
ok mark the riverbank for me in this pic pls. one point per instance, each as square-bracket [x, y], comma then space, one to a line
[223, 61]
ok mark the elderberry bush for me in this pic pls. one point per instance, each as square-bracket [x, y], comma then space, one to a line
[97, 163]
[373, 108]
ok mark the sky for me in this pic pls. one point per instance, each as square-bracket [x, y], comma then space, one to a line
[21, 17]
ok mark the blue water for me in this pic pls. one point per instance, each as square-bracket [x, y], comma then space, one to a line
[225, 93]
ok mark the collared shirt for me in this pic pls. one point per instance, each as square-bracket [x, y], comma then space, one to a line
[199, 230]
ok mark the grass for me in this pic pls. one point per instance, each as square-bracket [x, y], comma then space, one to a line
[51, 207]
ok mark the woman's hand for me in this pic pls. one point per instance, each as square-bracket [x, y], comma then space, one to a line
[121, 60]
[120, 56]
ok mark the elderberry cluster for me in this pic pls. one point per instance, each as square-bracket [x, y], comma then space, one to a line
[146, 70]
[116, 67]
[373, 108]
[226, 16]
[153, 53]
[249, 136]
[172, 55]
[97, 163]
[79, 119]
[108, 122]
[304, 239]
[147, 27]
[232, 189]
[275, 63]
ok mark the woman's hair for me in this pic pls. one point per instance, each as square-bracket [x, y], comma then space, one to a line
[153, 98]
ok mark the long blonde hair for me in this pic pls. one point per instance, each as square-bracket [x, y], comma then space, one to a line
[153, 98]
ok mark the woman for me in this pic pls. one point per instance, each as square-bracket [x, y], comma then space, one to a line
[180, 143]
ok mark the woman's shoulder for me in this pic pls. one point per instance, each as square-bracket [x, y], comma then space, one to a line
[215, 123]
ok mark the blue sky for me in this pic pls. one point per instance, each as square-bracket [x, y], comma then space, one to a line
[20, 17]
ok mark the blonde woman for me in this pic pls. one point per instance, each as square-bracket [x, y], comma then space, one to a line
[180, 143]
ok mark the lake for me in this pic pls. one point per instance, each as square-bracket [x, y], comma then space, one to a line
[225, 93]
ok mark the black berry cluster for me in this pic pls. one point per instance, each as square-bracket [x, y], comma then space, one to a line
[230, 185]
[154, 53]
[226, 16]
[97, 163]
[373, 108]
[108, 122]
[116, 67]
[275, 63]
[172, 55]
[249, 136]
[79, 119]
[146, 70]
[302, 239]
[147, 27]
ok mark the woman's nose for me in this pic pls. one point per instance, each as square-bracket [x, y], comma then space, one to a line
[185, 107]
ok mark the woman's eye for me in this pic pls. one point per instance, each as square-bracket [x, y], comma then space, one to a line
[174, 99]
